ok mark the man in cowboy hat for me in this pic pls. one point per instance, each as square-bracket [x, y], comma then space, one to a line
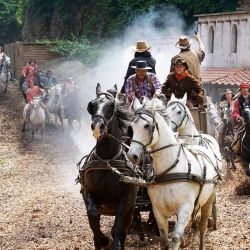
[180, 82]
[240, 103]
[193, 58]
[142, 83]
[141, 54]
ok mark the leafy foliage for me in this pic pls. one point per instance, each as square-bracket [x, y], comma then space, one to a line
[79, 48]
[95, 19]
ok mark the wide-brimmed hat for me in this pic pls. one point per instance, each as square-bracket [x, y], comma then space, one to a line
[141, 65]
[142, 46]
[180, 61]
[183, 42]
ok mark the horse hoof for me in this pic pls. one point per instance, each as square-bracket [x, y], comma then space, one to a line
[109, 245]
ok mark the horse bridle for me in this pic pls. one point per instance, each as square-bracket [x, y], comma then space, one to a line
[139, 113]
[106, 122]
[179, 104]
[155, 125]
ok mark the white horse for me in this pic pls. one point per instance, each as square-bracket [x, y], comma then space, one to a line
[4, 77]
[184, 176]
[214, 121]
[36, 117]
[183, 123]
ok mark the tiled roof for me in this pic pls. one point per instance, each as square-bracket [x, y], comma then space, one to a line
[232, 76]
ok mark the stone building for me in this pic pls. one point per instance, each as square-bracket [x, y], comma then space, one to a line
[226, 37]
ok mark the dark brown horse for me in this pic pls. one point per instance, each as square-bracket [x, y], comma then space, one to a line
[103, 192]
[245, 141]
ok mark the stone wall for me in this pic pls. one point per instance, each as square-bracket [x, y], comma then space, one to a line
[226, 37]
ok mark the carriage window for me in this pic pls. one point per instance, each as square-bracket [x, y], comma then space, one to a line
[234, 39]
[211, 39]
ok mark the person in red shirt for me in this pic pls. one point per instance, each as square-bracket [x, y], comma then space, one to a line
[32, 92]
[240, 103]
[30, 70]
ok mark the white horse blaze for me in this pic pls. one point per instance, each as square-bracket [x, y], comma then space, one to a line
[173, 198]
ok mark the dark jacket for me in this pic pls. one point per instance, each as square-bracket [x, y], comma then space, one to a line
[188, 85]
[139, 56]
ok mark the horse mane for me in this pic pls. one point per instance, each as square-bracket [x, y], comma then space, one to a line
[157, 105]
[124, 116]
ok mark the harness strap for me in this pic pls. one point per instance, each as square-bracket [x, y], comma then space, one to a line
[184, 177]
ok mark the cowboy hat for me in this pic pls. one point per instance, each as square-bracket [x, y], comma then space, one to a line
[142, 46]
[183, 42]
[180, 61]
[141, 65]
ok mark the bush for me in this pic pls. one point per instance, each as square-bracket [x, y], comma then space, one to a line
[80, 49]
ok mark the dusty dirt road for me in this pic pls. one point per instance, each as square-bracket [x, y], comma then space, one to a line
[41, 208]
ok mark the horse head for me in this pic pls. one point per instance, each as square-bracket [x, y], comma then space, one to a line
[178, 112]
[145, 128]
[213, 114]
[36, 103]
[102, 109]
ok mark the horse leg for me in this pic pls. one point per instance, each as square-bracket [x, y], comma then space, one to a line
[136, 223]
[100, 240]
[184, 216]
[206, 212]
[33, 133]
[246, 167]
[59, 113]
[162, 223]
[24, 126]
[122, 222]
[126, 223]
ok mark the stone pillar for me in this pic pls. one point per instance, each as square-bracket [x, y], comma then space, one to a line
[218, 38]
[226, 37]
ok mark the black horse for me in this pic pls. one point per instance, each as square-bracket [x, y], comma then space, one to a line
[103, 192]
[226, 138]
[245, 142]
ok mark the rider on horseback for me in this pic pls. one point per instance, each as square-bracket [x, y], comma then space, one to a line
[30, 70]
[239, 105]
[180, 82]
[142, 83]
[4, 57]
[32, 92]
[226, 100]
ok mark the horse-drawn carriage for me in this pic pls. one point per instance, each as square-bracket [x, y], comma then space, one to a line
[109, 120]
